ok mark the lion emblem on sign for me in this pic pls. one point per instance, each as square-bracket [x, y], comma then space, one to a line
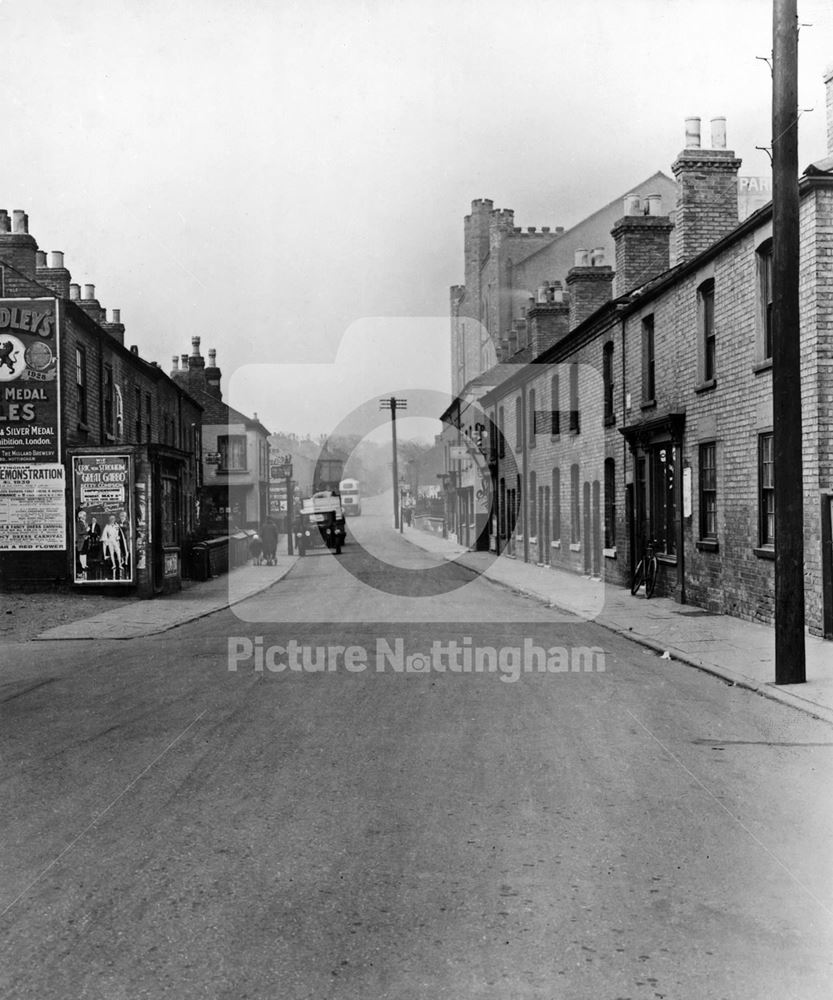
[11, 352]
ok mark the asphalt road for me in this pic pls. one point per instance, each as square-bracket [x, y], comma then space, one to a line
[398, 828]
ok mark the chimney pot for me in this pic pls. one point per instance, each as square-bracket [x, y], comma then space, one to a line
[175, 365]
[580, 258]
[195, 347]
[718, 133]
[117, 315]
[654, 204]
[134, 349]
[89, 291]
[597, 257]
[40, 258]
[19, 221]
[74, 291]
[633, 206]
[212, 358]
[692, 133]
[5, 221]
[56, 258]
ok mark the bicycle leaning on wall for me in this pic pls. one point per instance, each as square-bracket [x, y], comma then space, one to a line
[647, 570]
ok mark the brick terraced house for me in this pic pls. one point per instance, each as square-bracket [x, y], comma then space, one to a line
[636, 403]
[99, 449]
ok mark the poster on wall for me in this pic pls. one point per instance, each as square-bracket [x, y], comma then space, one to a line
[102, 487]
[32, 508]
[29, 384]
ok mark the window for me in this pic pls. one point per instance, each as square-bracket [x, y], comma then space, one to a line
[81, 382]
[765, 297]
[532, 425]
[708, 491]
[575, 511]
[607, 378]
[533, 502]
[148, 425]
[519, 424]
[610, 504]
[556, 504]
[232, 448]
[119, 413]
[555, 407]
[574, 416]
[766, 490]
[107, 399]
[501, 423]
[648, 369]
[138, 405]
[705, 317]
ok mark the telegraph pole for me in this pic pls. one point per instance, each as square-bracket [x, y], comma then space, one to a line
[786, 356]
[393, 404]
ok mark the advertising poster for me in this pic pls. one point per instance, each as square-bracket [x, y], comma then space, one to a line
[29, 385]
[32, 513]
[104, 529]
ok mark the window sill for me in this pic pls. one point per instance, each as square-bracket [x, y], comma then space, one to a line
[665, 560]
[765, 552]
[575, 546]
[83, 427]
[575, 431]
[648, 404]
[610, 420]
[708, 545]
[762, 366]
[609, 553]
[706, 386]
[556, 544]
[110, 437]
[232, 472]
[555, 437]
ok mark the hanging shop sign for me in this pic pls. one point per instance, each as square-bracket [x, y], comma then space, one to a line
[102, 490]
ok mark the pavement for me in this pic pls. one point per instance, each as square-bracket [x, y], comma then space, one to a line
[736, 651]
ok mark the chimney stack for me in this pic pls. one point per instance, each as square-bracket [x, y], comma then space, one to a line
[115, 327]
[707, 190]
[642, 241]
[54, 275]
[213, 375]
[548, 318]
[590, 285]
[17, 247]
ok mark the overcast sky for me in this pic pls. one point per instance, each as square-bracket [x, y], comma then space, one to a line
[272, 175]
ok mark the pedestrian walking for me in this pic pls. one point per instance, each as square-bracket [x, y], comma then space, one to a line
[269, 537]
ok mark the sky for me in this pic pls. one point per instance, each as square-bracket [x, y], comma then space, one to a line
[288, 181]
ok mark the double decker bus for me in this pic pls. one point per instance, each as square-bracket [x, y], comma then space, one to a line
[351, 500]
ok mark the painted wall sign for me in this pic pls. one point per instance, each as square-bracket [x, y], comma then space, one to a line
[29, 384]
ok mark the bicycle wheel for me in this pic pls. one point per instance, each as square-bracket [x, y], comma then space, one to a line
[638, 575]
[651, 577]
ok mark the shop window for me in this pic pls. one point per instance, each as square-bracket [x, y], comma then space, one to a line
[766, 490]
[170, 511]
[232, 448]
[708, 491]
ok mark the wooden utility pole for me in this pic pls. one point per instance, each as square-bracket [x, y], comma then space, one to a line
[786, 356]
[393, 404]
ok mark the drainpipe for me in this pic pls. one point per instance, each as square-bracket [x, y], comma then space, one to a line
[525, 470]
